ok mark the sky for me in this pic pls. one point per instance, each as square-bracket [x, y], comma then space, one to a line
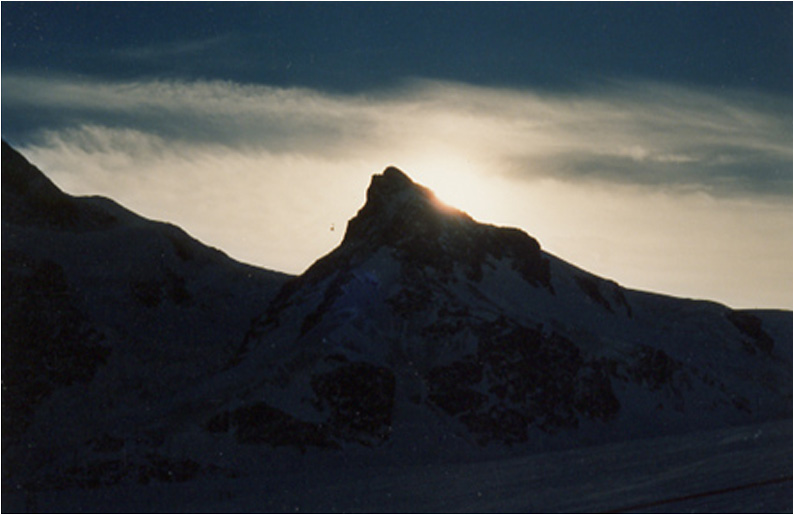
[649, 143]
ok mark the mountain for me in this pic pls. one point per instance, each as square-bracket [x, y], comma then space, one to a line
[105, 316]
[427, 325]
[136, 356]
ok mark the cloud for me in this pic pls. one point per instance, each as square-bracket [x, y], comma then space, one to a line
[633, 133]
[661, 187]
[238, 116]
[177, 49]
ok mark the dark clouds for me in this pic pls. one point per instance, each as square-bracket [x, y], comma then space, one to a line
[717, 171]
[359, 46]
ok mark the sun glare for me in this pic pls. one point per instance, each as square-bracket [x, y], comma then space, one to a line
[457, 183]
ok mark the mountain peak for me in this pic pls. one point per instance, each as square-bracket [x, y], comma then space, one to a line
[395, 178]
[23, 179]
[397, 207]
[423, 233]
[394, 188]
[30, 198]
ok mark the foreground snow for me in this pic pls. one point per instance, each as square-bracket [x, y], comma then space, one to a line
[744, 469]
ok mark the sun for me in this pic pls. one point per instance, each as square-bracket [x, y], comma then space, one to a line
[457, 183]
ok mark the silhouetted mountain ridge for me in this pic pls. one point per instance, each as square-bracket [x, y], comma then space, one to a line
[410, 219]
[133, 353]
[477, 323]
[106, 315]
[30, 198]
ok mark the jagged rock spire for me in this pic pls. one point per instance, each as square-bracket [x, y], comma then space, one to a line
[422, 232]
[398, 208]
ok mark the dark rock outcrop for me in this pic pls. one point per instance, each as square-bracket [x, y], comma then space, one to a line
[48, 341]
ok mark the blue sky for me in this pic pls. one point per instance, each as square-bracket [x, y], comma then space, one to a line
[648, 142]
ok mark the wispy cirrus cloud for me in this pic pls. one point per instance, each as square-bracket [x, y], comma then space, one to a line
[610, 177]
[155, 53]
[640, 133]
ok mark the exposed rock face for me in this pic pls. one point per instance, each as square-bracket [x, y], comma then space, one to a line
[522, 379]
[48, 342]
[606, 293]
[752, 327]
[360, 398]
[259, 423]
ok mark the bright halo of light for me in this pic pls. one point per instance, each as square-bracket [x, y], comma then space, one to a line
[457, 182]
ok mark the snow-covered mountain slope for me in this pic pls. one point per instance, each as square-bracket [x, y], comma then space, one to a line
[135, 356]
[424, 325]
[105, 316]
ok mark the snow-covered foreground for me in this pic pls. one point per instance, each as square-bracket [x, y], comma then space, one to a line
[744, 469]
